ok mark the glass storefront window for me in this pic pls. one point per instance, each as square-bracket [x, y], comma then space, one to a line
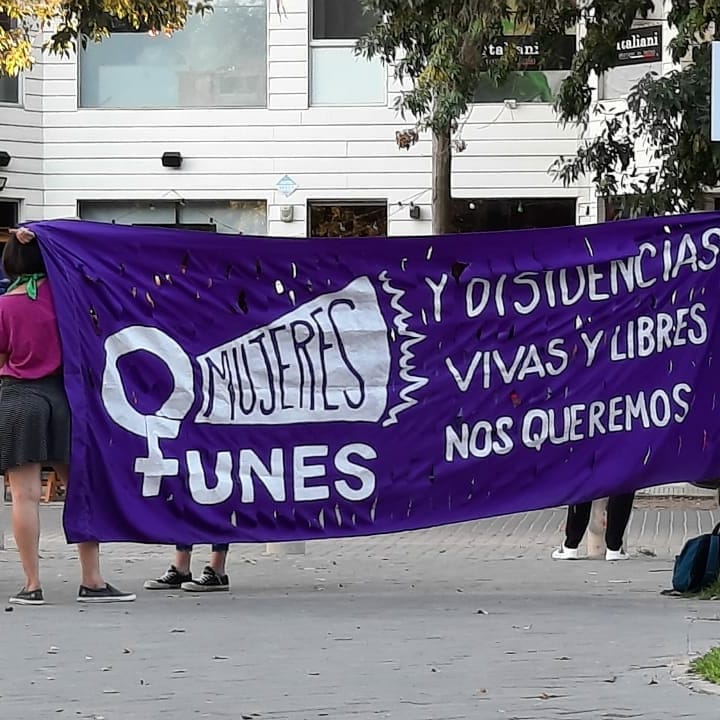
[217, 60]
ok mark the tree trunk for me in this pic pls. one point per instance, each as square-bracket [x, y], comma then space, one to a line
[443, 218]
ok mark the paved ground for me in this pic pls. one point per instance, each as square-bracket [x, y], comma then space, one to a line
[471, 621]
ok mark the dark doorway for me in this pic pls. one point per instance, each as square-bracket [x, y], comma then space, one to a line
[8, 219]
[8, 214]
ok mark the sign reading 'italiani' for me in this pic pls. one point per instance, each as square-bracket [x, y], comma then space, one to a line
[643, 45]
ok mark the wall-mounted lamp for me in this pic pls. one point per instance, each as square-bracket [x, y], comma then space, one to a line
[172, 160]
[4, 158]
[414, 211]
[3, 183]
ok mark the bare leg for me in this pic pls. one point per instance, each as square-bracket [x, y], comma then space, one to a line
[182, 560]
[217, 561]
[26, 487]
[88, 552]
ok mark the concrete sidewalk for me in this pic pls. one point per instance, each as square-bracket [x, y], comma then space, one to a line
[470, 621]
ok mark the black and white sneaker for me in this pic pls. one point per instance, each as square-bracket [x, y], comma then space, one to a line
[28, 597]
[209, 581]
[108, 594]
[171, 580]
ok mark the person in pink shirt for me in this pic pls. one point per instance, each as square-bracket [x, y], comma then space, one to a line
[35, 417]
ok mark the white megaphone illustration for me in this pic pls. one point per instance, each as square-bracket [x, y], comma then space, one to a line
[326, 361]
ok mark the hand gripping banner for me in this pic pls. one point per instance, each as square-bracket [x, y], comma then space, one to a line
[243, 389]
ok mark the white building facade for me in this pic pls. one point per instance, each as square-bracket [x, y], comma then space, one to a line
[264, 123]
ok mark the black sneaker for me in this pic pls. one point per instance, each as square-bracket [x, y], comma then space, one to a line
[108, 594]
[171, 580]
[209, 581]
[28, 597]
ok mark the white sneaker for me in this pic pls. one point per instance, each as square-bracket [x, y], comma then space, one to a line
[565, 553]
[614, 555]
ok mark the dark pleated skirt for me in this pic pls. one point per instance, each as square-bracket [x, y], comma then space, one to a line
[34, 422]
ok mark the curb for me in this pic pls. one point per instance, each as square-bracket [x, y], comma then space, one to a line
[680, 673]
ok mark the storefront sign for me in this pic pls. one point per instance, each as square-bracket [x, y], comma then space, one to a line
[643, 45]
[530, 52]
[715, 94]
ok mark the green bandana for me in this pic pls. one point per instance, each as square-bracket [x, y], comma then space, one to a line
[31, 283]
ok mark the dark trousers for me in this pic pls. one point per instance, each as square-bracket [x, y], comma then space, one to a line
[618, 516]
[215, 548]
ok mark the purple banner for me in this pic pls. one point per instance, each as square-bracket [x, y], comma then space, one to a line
[240, 389]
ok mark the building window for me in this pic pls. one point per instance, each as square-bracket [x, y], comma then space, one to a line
[229, 217]
[337, 75]
[9, 86]
[613, 209]
[348, 219]
[530, 83]
[217, 60]
[513, 213]
[9, 92]
[638, 54]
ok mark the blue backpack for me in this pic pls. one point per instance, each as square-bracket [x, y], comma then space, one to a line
[698, 565]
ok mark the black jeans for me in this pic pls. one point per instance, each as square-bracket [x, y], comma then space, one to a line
[618, 516]
[215, 548]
